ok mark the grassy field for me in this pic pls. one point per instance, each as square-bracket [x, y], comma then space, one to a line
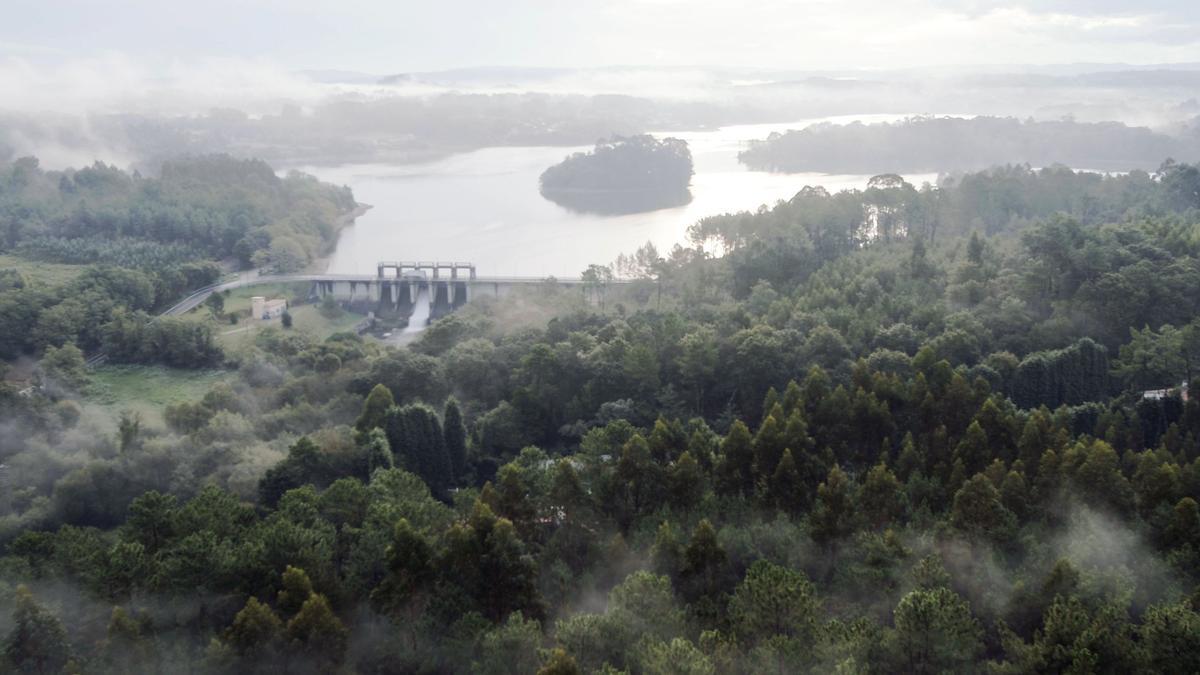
[148, 389]
[305, 318]
[48, 274]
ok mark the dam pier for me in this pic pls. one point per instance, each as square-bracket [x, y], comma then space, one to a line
[394, 290]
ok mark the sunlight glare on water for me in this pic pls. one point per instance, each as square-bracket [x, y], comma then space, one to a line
[484, 207]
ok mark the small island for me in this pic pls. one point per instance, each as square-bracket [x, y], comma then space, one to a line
[622, 175]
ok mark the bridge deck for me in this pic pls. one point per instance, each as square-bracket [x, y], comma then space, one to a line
[192, 301]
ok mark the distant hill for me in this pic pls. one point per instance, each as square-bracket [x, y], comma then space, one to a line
[954, 143]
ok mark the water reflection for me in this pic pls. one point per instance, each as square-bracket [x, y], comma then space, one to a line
[617, 202]
[485, 207]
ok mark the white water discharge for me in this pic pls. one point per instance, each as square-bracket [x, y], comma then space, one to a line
[419, 318]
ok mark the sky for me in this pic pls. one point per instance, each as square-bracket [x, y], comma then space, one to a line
[398, 36]
[144, 55]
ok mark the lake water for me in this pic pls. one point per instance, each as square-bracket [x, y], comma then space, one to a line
[484, 206]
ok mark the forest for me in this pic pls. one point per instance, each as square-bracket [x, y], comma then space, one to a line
[197, 208]
[622, 175]
[920, 144]
[148, 242]
[927, 429]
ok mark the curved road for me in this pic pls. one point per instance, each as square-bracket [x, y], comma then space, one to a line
[253, 278]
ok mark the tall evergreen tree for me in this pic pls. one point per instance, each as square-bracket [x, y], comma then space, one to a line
[415, 435]
[833, 517]
[375, 409]
[769, 444]
[705, 576]
[455, 433]
[786, 489]
[37, 642]
[735, 472]
[318, 632]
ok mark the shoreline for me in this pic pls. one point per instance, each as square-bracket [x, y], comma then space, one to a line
[320, 265]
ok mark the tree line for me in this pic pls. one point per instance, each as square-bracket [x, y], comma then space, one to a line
[929, 452]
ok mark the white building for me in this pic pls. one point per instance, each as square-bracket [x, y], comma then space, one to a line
[1159, 394]
[262, 308]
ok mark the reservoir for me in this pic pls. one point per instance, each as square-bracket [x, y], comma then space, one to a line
[484, 206]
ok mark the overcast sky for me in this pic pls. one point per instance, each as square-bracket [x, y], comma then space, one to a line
[406, 35]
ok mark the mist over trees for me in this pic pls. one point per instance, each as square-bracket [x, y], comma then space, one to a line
[203, 207]
[622, 175]
[893, 430]
[925, 144]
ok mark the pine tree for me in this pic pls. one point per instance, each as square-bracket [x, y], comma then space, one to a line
[685, 482]
[815, 388]
[375, 409]
[409, 576]
[37, 642]
[560, 663]
[705, 575]
[999, 427]
[377, 453]
[666, 441]
[666, 556]
[638, 477]
[294, 591]
[1184, 528]
[1170, 635]
[795, 433]
[456, 437]
[979, 513]
[975, 249]
[416, 437]
[770, 401]
[973, 449]
[489, 562]
[910, 460]
[1014, 494]
[567, 491]
[768, 447]
[880, 496]
[125, 648]
[512, 499]
[833, 516]
[319, 633]
[735, 472]
[255, 632]
[793, 398]
[786, 488]
[935, 633]
[775, 602]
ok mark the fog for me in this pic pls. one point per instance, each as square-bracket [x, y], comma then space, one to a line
[695, 202]
[116, 109]
[313, 83]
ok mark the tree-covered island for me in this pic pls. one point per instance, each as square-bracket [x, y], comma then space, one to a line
[622, 175]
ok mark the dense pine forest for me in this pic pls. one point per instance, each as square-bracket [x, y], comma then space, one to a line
[934, 429]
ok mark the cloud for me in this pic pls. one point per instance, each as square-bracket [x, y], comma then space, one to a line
[114, 82]
[812, 34]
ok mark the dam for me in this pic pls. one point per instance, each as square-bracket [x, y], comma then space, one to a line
[393, 290]
[398, 285]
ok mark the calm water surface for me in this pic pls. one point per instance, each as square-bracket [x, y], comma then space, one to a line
[484, 206]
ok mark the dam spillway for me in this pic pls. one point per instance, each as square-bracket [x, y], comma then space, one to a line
[396, 292]
[398, 286]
